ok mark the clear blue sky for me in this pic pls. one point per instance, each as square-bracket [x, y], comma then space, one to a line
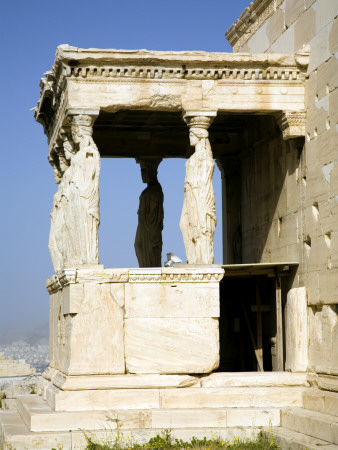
[31, 31]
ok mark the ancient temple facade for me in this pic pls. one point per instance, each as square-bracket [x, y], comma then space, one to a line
[198, 347]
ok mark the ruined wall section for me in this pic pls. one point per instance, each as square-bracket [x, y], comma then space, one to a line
[284, 26]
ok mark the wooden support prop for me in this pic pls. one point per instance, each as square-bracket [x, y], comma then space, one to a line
[259, 327]
[279, 322]
[259, 357]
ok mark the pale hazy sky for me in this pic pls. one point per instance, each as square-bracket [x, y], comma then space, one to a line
[31, 31]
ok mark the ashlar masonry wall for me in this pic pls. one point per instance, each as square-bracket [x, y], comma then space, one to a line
[285, 26]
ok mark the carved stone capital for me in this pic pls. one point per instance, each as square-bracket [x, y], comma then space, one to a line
[292, 124]
[82, 116]
[149, 162]
[82, 121]
[199, 119]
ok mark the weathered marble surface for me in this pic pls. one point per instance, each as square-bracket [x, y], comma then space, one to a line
[75, 217]
[145, 320]
[172, 300]
[198, 219]
[125, 381]
[296, 330]
[171, 345]
[323, 339]
[87, 339]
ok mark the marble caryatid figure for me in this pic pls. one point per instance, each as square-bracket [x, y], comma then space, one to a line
[148, 240]
[75, 216]
[198, 219]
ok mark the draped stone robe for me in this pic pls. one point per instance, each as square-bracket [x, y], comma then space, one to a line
[198, 219]
[148, 240]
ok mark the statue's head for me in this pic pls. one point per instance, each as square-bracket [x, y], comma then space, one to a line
[149, 169]
[81, 125]
[79, 131]
[196, 134]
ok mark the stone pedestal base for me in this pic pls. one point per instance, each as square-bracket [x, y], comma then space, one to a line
[134, 408]
[116, 321]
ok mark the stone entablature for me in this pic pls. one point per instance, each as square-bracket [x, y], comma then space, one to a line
[97, 274]
[95, 80]
[251, 19]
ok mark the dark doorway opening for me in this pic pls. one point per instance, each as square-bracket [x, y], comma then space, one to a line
[247, 324]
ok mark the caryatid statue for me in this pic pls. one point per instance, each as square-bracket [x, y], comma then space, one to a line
[75, 216]
[148, 240]
[198, 219]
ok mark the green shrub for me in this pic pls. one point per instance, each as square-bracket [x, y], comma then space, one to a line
[165, 441]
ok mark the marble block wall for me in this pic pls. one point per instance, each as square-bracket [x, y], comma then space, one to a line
[308, 228]
[118, 321]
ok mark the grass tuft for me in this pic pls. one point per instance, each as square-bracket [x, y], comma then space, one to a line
[165, 441]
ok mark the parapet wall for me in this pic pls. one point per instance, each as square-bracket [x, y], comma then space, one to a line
[116, 321]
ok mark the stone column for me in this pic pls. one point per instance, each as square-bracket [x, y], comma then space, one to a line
[75, 217]
[198, 219]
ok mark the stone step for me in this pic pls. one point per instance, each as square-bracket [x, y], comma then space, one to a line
[149, 381]
[293, 440]
[313, 423]
[15, 434]
[321, 401]
[190, 397]
[38, 416]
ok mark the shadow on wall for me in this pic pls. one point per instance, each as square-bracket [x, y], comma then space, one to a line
[271, 189]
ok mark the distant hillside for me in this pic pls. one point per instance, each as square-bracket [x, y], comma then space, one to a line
[38, 335]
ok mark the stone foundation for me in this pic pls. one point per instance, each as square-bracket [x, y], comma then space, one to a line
[134, 408]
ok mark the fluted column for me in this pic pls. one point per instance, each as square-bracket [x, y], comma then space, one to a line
[198, 219]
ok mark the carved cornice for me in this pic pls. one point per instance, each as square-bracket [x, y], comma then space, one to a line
[176, 277]
[53, 284]
[292, 124]
[193, 277]
[69, 276]
[220, 72]
[60, 280]
[251, 19]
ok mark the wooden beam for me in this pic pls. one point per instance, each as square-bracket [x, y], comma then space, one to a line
[279, 331]
[257, 354]
[259, 328]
